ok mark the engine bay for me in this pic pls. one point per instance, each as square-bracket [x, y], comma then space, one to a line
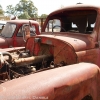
[40, 54]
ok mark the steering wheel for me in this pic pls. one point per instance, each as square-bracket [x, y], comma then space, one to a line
[60, 27]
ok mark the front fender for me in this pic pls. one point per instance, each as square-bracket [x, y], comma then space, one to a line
[71, 82]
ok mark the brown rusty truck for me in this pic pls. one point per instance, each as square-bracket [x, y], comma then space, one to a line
[62, 63]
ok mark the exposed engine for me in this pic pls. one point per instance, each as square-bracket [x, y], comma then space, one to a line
[40, 53]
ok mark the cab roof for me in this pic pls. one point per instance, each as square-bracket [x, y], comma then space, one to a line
[23, 21]
[76, 7]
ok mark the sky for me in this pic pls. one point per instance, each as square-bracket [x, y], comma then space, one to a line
[47, 6]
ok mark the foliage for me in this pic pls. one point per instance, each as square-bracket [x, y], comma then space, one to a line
[24, 15]
[10, 10]
[25, 9]
[1, 10]
[43, 16]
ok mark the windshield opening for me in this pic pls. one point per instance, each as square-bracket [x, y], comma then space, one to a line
[75, 21]
[8, 30]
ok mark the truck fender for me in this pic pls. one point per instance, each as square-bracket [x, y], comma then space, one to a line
[73, 82]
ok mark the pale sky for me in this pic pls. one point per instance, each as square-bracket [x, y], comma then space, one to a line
[47, 6]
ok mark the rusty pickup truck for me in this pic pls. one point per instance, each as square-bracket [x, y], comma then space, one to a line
[62, 63]
[13, 34]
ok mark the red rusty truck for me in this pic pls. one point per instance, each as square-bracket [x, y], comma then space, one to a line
[62, 63]
[13, 34]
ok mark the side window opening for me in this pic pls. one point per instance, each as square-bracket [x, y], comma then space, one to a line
[53, 26]
[32, 30]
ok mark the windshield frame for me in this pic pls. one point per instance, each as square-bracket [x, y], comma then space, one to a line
[81, 18]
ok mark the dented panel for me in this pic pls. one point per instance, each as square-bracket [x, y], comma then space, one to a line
[55, 84]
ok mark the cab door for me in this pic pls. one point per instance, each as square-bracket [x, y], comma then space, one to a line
[19, 38]
[22, 34]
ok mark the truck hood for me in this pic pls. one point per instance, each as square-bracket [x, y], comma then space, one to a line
[63, 48]
[78, 42]
[3, 42]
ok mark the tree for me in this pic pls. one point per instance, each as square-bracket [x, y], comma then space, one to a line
[24, 16]
[1, 10]
[26, 8]
[10, 10]
[43, 16]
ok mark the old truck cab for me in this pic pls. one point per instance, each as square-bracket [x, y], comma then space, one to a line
[13, 34]
[79, 27]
